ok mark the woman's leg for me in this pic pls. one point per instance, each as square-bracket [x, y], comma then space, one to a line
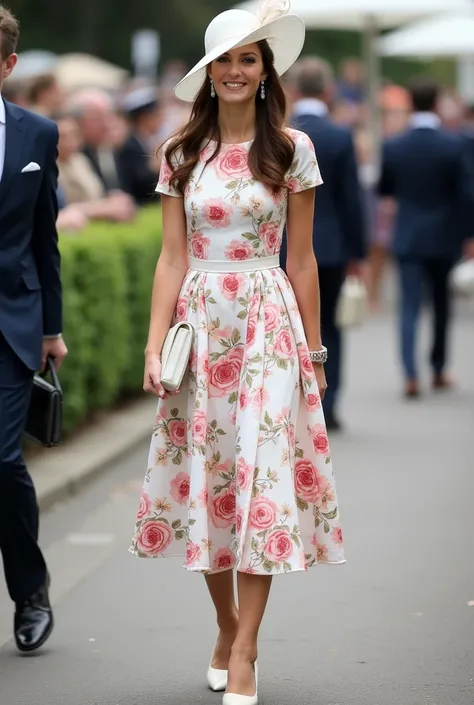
[221, 589]
[253, 593]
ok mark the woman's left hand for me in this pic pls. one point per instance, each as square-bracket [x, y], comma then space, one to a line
[320, 378]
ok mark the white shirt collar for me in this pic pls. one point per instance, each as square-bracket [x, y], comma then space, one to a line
[310, 106]
[427, 120]
[2, 111]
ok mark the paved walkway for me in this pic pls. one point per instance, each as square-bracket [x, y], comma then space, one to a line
[395, 626]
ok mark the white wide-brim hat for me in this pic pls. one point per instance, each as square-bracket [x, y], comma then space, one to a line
[285, 34]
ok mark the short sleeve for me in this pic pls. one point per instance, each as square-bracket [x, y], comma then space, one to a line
[304, 173]
[166, 172]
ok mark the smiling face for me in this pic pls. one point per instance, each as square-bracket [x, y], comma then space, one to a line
[237, 74]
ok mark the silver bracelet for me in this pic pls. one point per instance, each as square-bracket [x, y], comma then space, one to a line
[319, 356]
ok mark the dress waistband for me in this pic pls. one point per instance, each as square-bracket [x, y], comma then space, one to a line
[241, 265]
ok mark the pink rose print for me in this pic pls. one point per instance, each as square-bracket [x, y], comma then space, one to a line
[270, 235]
[320, 439]
[224, 375]
[229, 284]
[272, 317]
[294, 185]
[144, 507]
[306, 366]
[244, 474]
[279, 546]
[238, 522]
[233, 164]
[178, 432]
[181, 310]
[154, 537]
[217, 213]
[224, 559]
[238, 250]
[179, 488]
[244, 398]
[199, 245]
[306, 481]
[260, 398]
[199, 427]
[166, 172]
[223, 510]
[263, 513]
[251, 330]
[193, 553]
[284, 345]
[203, 497]
[336, 535]
[312, 401]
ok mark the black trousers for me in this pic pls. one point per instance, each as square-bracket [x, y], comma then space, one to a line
[23, 562]
[330, 284]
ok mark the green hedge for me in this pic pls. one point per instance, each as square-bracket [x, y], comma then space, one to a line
[107, 273]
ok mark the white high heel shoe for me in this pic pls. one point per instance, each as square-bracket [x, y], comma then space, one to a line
[236, 699]
[217, 679]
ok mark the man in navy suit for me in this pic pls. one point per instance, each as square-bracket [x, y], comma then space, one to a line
[30, 330]
[338, 235]
[426, 171]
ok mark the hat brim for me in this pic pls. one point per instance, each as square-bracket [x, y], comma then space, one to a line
[285, 36]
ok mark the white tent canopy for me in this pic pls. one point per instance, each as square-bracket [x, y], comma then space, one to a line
[445, 35]
[355, 14]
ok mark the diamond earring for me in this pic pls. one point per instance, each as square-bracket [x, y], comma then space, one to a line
[262, 90]
[213, 90]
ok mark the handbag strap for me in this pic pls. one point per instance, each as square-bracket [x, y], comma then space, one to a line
[51, 367]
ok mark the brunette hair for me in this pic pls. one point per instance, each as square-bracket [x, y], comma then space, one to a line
[9, 33]
[272, 151]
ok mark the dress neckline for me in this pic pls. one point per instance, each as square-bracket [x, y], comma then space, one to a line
[232, 144]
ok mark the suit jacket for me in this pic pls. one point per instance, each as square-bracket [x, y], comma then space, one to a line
[426, 171]
[30, 284]
[338, 233]
[135, 175]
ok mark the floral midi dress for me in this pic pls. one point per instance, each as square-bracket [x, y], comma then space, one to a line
[239, 470]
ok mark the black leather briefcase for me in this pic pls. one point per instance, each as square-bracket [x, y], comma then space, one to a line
[45, 410]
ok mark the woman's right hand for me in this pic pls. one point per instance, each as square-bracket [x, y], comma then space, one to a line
[152, 377]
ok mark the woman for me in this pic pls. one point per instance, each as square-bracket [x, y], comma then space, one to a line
[239, 472]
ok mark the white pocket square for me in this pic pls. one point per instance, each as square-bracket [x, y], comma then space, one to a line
[32, 166]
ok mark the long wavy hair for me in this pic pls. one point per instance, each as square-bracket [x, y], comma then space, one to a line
[272, 150]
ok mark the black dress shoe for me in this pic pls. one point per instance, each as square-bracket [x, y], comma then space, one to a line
[332, 422]
[33, 622]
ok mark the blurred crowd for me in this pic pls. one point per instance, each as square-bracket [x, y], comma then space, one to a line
[110, 140]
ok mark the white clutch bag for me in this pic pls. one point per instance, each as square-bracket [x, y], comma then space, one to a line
[352, 306]
[175, 355]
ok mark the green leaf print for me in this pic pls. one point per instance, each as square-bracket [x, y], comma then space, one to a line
[220, 432]
[232, 398]
[211, 300]
[179, 534]
[268, 419]
[248, 380]
[191, 522]
[232, 185]
[250, 236]
[214, 424]
[268, 565]
[242, 315]
[328, 460]
[254, 544]
[301, 504]
[177, 458]
[176, 524]
[296, 539]
[326, 527]
[330, 515]
[286, 567]
[282, 364]
[174, 413]
[235, 336]
[269, 217]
